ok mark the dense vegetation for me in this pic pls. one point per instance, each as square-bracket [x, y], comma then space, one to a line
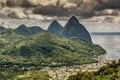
[109, 72]
[16, 73]
[24, 51]
[46, 49]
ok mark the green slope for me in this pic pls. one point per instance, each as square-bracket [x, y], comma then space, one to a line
[8, 37]
[51, 50]
[11, 35]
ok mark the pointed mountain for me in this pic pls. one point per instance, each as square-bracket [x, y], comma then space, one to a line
[74, 29]
[55, 27]
[24, 30]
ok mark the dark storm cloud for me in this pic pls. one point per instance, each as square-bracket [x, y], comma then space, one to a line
[21, 3]
[84, 8]
[29, 3]
[52, 11]
[108, 4]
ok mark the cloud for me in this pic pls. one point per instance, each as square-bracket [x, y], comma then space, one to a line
[108, 4]
[30, 3]
[52, 10]
[17, 13]
[83, 8]
[87, 8]
[113, 12]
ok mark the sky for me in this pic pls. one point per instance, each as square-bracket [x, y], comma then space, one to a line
[59, 8]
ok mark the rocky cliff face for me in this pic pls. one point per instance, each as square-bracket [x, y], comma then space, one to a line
[55, 27]
[74, 29]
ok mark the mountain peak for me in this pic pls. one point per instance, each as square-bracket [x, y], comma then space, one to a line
[35, 27]
[73, 19]
[55, 21]
[23, 29]
[55, 27]
[74, 29]
[22, 26]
